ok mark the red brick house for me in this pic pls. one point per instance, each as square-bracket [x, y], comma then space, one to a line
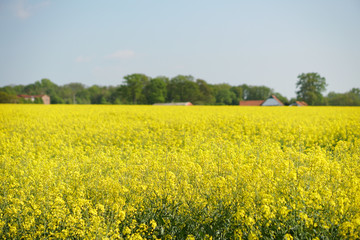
[45, 98]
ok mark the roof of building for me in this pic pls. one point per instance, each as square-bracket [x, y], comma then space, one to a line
[274, 97]
[30, 96]
[251, 103]
[299, 103]
[259, 102]
[174, 104]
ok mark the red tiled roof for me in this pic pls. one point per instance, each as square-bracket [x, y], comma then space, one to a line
[251, 103]
[29, 96]
[301, 103]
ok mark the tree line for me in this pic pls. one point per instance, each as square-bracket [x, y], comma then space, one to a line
[142, 89]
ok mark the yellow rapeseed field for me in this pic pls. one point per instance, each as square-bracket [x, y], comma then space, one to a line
[165, 172]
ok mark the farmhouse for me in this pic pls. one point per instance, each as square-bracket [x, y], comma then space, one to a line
[43, 97]
[174, 104]
[299, 104]
[270, 101]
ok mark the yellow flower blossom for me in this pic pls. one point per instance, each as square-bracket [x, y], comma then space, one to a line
[288, 237]
[151, 172]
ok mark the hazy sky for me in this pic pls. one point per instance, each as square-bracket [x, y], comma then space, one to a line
[253, 42]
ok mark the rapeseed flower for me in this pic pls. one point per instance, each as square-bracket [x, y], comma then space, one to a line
[150, 172]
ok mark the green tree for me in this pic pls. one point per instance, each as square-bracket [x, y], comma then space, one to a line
[282, 98]
[256, 92]
[135, 84]
[38, 100]
[98, 95]
[33, 89]
[225, 97]
[18, 89]
[350, 98]
[205, 93]
[12, 90]
[123, 94]
[114, 95]
[46, 86]
[238, 91]
[355, 96]
[183, 89]
[7, 98]
[83, 96]
[310, 87]
[355, 91]
[156, 91]
[72, 90]
[55, 99]
[224, 94]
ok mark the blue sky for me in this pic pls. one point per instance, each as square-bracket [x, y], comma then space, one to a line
[232, 41]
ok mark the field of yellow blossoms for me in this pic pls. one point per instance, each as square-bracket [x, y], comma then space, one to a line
[165, 172]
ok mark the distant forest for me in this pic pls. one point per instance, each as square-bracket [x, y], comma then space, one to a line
[141, 89]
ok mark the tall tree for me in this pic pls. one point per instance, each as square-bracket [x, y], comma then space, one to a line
[311, 86]
[114, 96]
[7, 98]
[238, 91]
[135, 84]
[83, 96]
[256, 92]
[350, 98]
[155, 91]
[224, 94]
[183, 89]
[98, 95]
[205, 95]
